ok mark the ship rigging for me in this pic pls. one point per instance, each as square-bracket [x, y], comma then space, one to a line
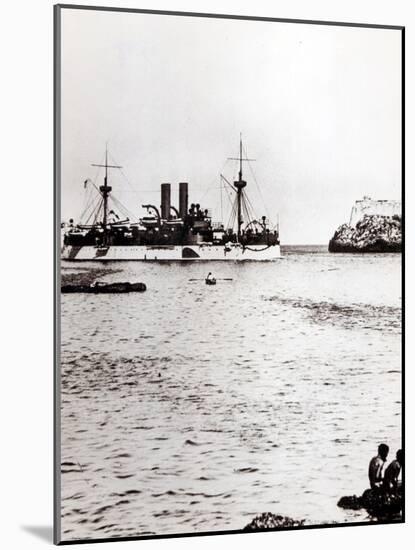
[168, 232]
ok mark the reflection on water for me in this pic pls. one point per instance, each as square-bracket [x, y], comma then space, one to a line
[192, 408]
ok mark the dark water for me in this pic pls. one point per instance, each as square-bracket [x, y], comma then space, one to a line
[192, 408]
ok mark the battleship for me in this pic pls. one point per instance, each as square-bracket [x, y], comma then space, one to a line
[169, 233]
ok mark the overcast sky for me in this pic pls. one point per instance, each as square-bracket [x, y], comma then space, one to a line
[319, 108]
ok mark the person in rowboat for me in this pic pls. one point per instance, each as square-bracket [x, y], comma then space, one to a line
[209, 276]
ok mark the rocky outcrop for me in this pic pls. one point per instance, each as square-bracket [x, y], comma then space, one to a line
[379, 505]
[268, 520]
[371, 234]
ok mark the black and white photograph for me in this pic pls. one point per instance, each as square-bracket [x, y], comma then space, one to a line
[229, 208]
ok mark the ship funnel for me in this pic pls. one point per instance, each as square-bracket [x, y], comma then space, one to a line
[165, 201]
[183, 199]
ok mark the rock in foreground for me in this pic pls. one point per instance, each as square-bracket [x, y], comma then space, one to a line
[371, 234]
[272, 521]
[379, 505]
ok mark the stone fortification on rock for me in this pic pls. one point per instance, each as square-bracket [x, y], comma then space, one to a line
[371, 207]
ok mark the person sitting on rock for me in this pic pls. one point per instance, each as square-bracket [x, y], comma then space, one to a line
[390, 481]
[376, 467]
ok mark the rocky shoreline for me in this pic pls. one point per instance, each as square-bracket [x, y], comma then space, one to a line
[380, 234]
[267, 520]
[380, 506]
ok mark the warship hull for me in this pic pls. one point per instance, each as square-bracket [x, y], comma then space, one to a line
[200, 252]
[168, 233]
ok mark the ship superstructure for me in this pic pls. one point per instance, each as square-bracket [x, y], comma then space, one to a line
[171, 233]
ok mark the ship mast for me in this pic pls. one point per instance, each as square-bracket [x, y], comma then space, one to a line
[105, 189]
[239, 185]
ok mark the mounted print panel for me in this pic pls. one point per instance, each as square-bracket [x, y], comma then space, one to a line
[228, 274]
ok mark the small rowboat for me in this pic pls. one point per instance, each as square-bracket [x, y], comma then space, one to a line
[210, 281]
[104, 288]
